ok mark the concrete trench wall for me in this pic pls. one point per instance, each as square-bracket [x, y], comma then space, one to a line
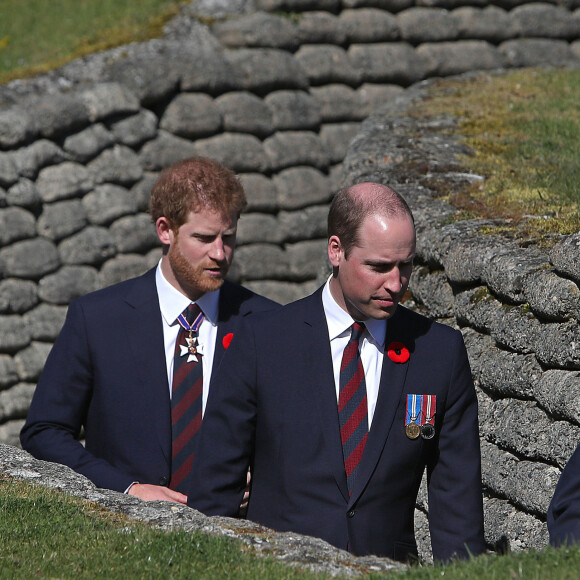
[280, 99]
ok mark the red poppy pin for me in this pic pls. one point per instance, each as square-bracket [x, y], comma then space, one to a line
[227, 339]
[398, 352]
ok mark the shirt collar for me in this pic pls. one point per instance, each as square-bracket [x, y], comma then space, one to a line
[339, 321]
[172, 302]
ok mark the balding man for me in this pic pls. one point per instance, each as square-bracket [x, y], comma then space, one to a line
[340, 401]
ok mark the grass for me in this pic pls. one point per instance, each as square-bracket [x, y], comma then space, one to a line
[48, 534]
[524, 129]
[39, 35]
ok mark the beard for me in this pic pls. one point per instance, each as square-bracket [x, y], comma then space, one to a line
[194, 280]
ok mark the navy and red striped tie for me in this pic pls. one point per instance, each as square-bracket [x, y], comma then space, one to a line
[352, 405]
[186, 398]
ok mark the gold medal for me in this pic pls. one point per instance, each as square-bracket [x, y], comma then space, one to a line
[412, 430]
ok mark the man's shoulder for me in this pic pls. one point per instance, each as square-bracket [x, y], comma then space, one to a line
[118, 290]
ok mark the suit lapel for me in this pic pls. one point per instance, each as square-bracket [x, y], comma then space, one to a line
[317, 346]
[145, 345]
[390, 390]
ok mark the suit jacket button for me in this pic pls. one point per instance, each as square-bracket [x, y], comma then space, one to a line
[163, 481]
[351, 513]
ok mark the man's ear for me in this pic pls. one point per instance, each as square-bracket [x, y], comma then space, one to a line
[164, 231]
[335, 251]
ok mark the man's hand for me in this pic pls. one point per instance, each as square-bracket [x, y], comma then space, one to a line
[150, 492]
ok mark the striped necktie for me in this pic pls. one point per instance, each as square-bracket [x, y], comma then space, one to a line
[186, 397]
[352, 405]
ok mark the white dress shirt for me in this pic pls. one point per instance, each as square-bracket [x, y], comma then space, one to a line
[372, 346]
[172, 303]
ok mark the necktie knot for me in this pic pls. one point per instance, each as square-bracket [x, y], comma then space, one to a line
[357, 329]
[191, 313]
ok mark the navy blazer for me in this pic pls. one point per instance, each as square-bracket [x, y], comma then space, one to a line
[273, 404]
[564, 510]
[107, 374]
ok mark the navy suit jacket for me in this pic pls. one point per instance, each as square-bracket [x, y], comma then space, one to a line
[107, 374]
[273, 404]
[564, 510]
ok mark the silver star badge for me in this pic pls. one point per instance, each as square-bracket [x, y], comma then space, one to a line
[192, 349]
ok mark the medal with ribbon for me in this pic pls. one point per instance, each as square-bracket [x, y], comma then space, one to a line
[414, 406]
[192, 348]
[427, 421]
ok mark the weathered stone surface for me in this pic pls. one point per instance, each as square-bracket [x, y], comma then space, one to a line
[491, 23]
[500, 372]
[304, 259]
[61, 219]
[318, 27]
[8, 372]
[394, 62]
[91, 246]
[23, 194]
[118, 164]
[45, 321]
[16, 127]
[136, 129]
[552, 297]
[506, 423]
[30, 160]
[420, 25]
[374, 96]
[507, 270]
[141, 191]
[432, 290]
[524, 52]
[477, 308]
[325, 64]
[10, 432]
[107, 99]
[453, 58]
[544, 20]
[565, 256]
[108, 202]
[57, 114]
[297, 5]
[243, 112]
[88, 143]
[122, 268]
[14, 402]
[339, 103]
[558, 345]
[29, 259]
[164, 151]
[306, 224]
[261, 192]
[67, 283]
[265, 70]
[260, 262]
[259, 228]
[558, 392]
[192, 116]
[293, 110]
[15, 224]
[369, 25]
[64, 181]
[503, 522]
[30, 361]
[14, 335]
[8, 172]
[292, 148]
[238, 152]
[134, 233]
[257, 30]
[282, 292]
[300, 187]
[517, 329]
[527, 484]
[336, 137]
[17, 296]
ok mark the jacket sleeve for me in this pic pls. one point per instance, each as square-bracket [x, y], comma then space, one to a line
[454, 472]
[60, 404]
[227, 435]
[564, 510]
